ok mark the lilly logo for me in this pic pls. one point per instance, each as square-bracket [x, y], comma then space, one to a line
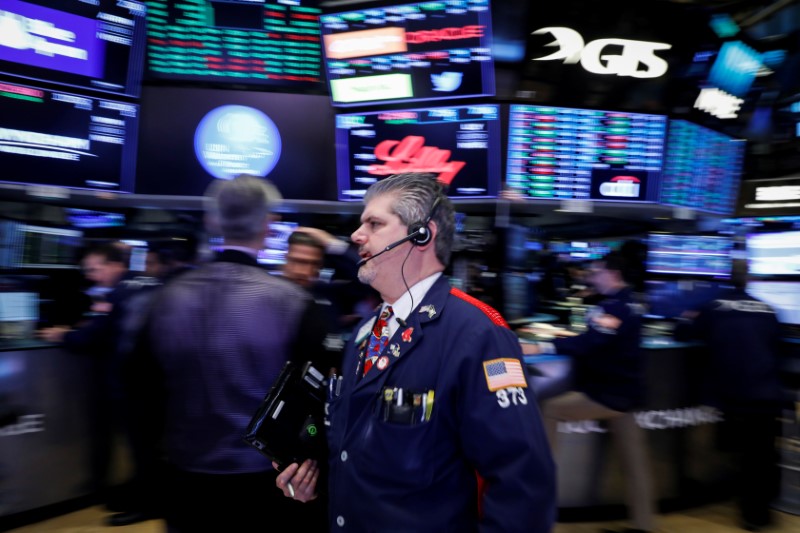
[411, 155]
[621, 186]
[632, 54]
[447, 81]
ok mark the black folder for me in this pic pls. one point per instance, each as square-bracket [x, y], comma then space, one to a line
[289, 424]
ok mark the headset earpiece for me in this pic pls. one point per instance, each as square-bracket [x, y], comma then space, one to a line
[421, 232]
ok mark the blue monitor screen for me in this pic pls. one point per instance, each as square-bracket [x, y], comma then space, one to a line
[461, 145]
[702, 169]
[412, 52]
[559, 153]
[689, 255]
[276, 245]
[97, 45]
[88, 218]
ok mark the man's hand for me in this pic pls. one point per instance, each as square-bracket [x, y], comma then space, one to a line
[319, 235]
[530, 348]
[607, 321]
[54, 334]
[299, 481]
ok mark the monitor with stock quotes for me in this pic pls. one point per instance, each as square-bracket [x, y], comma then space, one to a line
[270, 44]
[702, 169]
[58, 138]
[409, 52]
[557, 153]
[689, 255]
[461, 145]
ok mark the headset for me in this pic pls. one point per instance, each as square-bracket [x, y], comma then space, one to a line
[419, 233]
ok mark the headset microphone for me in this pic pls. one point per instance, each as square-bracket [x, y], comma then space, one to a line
[420, 231]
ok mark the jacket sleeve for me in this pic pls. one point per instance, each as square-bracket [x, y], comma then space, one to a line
[504, 438]
[596, 335]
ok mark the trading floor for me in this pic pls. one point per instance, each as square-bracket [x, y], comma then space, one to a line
[716, 518]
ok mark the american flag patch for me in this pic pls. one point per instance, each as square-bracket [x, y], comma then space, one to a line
[504, 373]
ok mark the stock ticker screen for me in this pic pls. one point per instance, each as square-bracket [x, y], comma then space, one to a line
[413, 52]
[51, 137]
[689, 255]
[460, 144]
[235, 42]
[702, 169]
[559, 153]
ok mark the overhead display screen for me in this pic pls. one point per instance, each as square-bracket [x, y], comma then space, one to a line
[690, 255]
[703, 169]
[235, 42]
[192, 136]
[557, 153]
[774, 254]
[96, 45]
[57, 138]
[423, 51]
[461, 145]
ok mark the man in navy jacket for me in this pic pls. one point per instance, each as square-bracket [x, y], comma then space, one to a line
[437, 431]
[608, 379]
[742, 380]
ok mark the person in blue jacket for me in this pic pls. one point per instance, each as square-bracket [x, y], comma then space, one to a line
[437, 431]
[608, 380]
[742, 380]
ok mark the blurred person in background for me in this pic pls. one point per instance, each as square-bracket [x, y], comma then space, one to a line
[608, 381]
[114, 286]
[214, 341]
[741, 379]
[308, 250]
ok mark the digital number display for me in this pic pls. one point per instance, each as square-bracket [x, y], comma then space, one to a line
[689, 255]
[703, 169]
[563, 153]
[238, 42]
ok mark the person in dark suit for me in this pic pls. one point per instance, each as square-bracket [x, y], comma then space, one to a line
[432, 427]
[215, 339]
[608, 380]
[743, 336]
[114, 288]
[309, 249]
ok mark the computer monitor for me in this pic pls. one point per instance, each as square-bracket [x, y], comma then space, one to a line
[557, 153]
[690, 256]
[409, 52]
[460, 145]
[236, 43]
[95, 45]
[702, 168]
[58, 138]
[774, 254]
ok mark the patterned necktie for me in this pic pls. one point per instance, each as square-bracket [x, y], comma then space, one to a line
[379, 338]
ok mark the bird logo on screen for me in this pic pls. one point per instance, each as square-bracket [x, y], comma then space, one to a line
[447, 81]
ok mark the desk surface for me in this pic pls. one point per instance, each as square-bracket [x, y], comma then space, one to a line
[23, 344]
